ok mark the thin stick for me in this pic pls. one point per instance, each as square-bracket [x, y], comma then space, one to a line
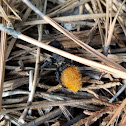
[68, 6]
[74, 57]
[118, 93]
[10, 93]
[94, 64]
[2, 61]
[61, 102]
[72, 18]
[2, 66]
[13, 40]
[45, 118]
[111, 29]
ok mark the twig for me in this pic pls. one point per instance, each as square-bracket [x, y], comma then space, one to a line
[2, 59]
[99, 102]
[12, 84]
[45, 104]
[96, 115]
[72, 4]
[30, 80]
[106, 23]
[9, 93]
[8, 101]
[74, 57]
[94, 64]
[3, 112]
[21, 53]
[115, 8]
[59, 102]
[81, 8]
[13, 40]
[12, 120]
[118, 93]
[73, 18]
[44, 118]
[107, 85]
[12, 10]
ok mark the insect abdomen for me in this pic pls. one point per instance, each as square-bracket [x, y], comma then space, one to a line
[71, 78]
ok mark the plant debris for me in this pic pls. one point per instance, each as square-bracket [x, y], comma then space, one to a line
[64, 64]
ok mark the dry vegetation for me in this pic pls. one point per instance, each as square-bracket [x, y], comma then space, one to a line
[96, 44]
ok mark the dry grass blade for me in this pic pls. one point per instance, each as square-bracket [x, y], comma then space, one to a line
[98, 21]
[4, 15]
[115, 8]
[2, 64]
[60, 103]
[12, 10]
[10, 17]
[13, 40]
[72, 18]
[107, 20]
[2, 55]
[99, 5]
[111, 28]
[67, 6]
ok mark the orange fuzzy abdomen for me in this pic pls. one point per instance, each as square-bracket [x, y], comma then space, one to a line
[71, 78]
